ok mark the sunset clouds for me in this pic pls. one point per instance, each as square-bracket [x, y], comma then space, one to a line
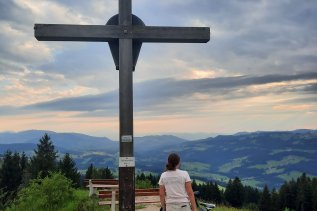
[258, 72]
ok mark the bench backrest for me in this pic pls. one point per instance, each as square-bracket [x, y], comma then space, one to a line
[106, 194]
[102, 181]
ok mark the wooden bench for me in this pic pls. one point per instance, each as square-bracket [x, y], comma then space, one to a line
[142, 196]
[95, 184]
[108, 191]
[102, 181]
[111, 185]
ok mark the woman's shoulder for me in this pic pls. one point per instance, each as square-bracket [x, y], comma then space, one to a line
[177, 171]
[181, 171]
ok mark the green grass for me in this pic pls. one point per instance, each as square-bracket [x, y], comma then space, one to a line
[292, 175]
[277, 151]
[139, 171]
[251, 182]
[235, 163]
[274, 171]
[200, 182]
[209, 176]
[223, 208]
[141, 206]
[289, 176]
[195, 166]
[200, 147]
[81, 198]
[275, 164]
[82, 201]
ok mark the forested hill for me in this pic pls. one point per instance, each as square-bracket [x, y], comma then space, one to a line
[257, 158]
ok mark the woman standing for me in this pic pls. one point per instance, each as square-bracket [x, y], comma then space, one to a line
[176, 191]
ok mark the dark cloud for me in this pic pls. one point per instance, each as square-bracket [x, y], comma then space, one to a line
[11, 12]
[312, 88]
[105, 10]
[258, 36]
[155, 94]
[85, 103]
[13, 110]
[81, 59]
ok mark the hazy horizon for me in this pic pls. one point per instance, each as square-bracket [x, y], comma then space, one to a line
[187, 136]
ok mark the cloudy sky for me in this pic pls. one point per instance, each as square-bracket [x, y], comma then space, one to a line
[258, 72]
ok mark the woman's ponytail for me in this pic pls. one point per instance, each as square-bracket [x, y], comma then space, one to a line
[172, 162]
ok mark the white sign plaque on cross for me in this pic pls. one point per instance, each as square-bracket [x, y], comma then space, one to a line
[126, 34]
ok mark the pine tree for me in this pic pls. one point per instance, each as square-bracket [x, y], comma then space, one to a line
[205, 191]
[265, 201]
[314, 193]
[141, 176]
[252, 195]
[104, 173]
[293, 195]
[234, 193]
[44, 159]
[194, 185]
[217, 194]
[23, 162]
[288, 195]
[10, 172]
[208, 191]
[89, 172]
[275, 201]
[154, 180]
[304, 196]
[68, 168]
[284, 193]
[228, 192]
[109, 174]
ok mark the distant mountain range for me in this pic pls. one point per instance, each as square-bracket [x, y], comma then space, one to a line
[69, 141]
[258, 158]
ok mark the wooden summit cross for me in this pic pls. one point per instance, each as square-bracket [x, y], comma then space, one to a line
[125, 34]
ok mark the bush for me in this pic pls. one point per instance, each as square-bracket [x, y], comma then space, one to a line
[51, 193]
[82, 202]
[143, 184]
[5, 199]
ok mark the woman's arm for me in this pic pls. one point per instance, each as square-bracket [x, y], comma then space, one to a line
[191, 196]
[162, 196]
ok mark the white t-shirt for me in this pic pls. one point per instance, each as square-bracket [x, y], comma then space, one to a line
[174, 183]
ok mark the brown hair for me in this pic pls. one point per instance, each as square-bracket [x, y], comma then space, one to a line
[172, 161]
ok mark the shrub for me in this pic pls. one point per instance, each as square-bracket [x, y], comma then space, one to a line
[143, 184]
[51, 193]
[82, 202]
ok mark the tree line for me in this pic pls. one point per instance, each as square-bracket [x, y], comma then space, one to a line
[146, 181]
[17, 170]
[299, 195]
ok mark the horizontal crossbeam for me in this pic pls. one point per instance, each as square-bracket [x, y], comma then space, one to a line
[171, 34]
[107, 33]
[66, 32]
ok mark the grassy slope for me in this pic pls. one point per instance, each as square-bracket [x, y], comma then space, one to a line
[228, 209]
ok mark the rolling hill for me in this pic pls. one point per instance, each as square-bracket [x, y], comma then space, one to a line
[258, 158]
[68, 141]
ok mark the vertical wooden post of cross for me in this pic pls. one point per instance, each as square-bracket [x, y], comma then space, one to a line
[126, 173]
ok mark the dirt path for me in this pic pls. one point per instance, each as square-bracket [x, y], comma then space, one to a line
[150, 207]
